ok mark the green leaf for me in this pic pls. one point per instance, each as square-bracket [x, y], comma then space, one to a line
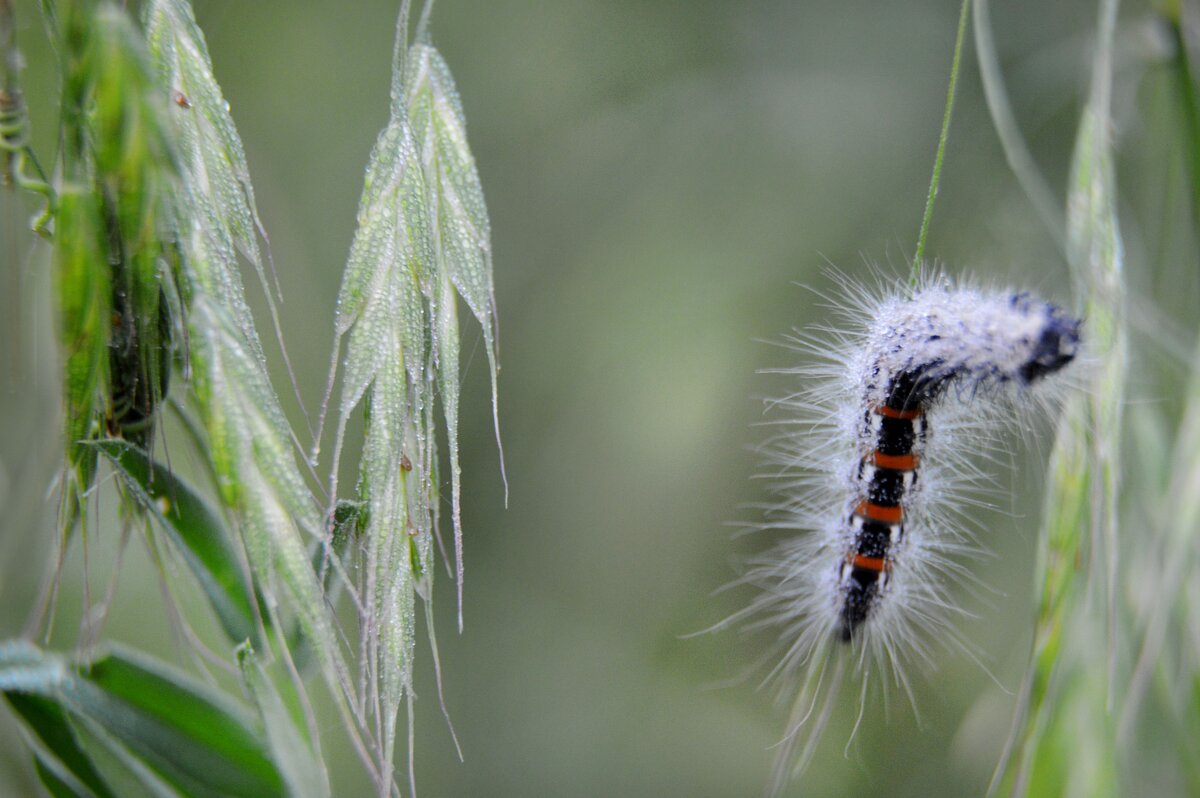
[46, 719]
[123, 725]
[301, 767]
[122, 771]
[57, 783]
[197, 531]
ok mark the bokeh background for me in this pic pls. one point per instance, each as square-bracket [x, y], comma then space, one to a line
[666, 182]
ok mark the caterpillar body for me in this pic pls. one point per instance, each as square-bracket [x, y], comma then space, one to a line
[877, 451]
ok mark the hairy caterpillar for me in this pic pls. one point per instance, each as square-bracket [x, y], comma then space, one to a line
[878, 447]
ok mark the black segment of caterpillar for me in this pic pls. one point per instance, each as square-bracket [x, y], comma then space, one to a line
[876, 521]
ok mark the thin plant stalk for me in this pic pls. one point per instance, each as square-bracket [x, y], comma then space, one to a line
[960, 36]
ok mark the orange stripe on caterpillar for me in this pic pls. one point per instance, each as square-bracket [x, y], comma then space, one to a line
[896, 462]
[876, 512]
[877, 564]
[905, 415]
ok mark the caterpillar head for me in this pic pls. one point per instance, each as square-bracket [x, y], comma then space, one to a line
[1055, 347]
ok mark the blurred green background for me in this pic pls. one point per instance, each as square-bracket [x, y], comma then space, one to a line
[662, 177]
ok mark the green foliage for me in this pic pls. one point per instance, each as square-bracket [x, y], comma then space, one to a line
[196, 529]
[301, 767]
[118, 174]
[1072, 732]
[154, 218]
[118, 724]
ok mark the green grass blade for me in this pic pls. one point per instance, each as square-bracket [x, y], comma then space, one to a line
[58, 783]
[122, 770]
[176, 725]
[1166, 675]
[302, 768]
[47, 720]
[1016, 152]
[198, 533]
[1068, 732]
[1189, 101]
[136, 727]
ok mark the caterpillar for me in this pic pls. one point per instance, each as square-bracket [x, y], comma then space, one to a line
[874, 459]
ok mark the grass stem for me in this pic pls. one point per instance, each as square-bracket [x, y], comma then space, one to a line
[941, 148]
